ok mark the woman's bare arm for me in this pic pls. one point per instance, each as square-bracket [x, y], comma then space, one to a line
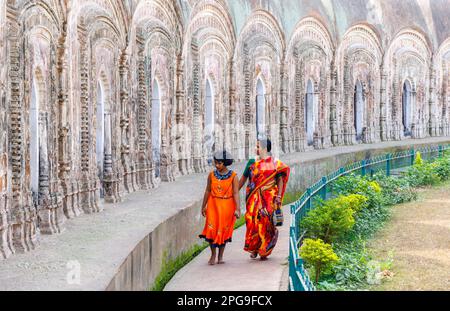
[236, 196]
[242, 181]
[280, 184]
[206, 195]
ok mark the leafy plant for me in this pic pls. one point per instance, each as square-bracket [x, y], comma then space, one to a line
[394, 190]
[354, 201]
[422, 175]
[171, 266]
[442, 167]
[356, 184]
[318, 254]
[418, 160]
[330, 220]
[351, 270]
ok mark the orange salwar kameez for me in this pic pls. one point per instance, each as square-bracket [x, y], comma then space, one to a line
[220, 209]
[262, 189]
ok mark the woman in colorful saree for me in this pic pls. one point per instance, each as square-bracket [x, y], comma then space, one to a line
[267, 179]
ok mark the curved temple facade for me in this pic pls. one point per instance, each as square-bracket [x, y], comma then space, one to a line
[100, 98]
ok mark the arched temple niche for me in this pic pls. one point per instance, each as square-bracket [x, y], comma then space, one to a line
[101, 62]
[155, 44]
[104, 138]
[442, 90]
[208, 51]
[309, 57]
[260, 54]
[358, 59]
[408, 59]
[34, 118]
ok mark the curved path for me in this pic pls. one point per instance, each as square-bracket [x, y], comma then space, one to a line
[418, 236]
[239, 272]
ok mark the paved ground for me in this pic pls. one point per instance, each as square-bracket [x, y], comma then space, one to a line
[99, 243]
[239, 272]
[418, 238]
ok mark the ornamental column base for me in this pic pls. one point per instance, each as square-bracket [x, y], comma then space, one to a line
[70, 204]
[24, 232]
[88, 195]
[6, 247]
[111, 188]
[51, 214]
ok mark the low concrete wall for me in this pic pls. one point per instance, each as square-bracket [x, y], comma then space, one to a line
[180, 232]
[172, 237]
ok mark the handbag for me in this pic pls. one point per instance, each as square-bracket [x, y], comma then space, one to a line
[278, 217]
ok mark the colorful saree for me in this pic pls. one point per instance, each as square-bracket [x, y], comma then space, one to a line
[262, 189]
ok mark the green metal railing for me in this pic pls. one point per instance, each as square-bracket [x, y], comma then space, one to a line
[298, 277]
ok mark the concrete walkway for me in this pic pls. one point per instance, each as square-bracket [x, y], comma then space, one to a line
[239, 272]
[96, 245]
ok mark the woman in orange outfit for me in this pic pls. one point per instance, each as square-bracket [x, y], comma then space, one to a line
[220, 205]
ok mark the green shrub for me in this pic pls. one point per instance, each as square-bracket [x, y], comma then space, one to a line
[422, 175]
[355, 201]
[351, 270]
[394, 190]
[418, 160]
[318, 254]
[330, 220]
[367, 222]
[441, 168]
[356, 184]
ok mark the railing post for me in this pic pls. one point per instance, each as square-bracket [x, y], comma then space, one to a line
[308, 201]
[388, 164]
[294, 224]
[324, 188]
[412, 156]
[440, 151]
[363, 167]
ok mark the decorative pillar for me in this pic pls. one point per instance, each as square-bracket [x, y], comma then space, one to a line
[88, 180]
[247, 91]
[383, 112]
[395, 126]
[283, 110]
[47, 219]
[348, 139]
[23, 219]
[333, 100]
[231, 134]
[445, 107]
[110, 182]
[196, 131]
[144, 155]
[432, 122]
[181, 127]
[125, 123]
